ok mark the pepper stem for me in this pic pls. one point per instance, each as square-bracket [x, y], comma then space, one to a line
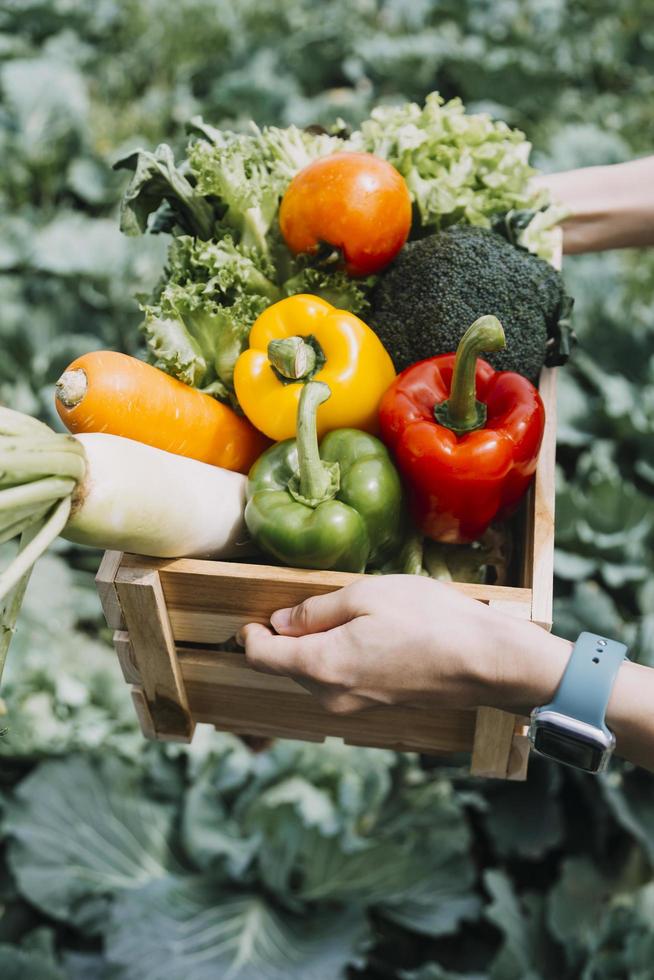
[317, 480]
[462, 412]
[293, 357]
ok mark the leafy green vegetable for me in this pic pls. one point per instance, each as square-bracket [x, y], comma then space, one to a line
[432, 971]
[18, 964]
[192, 927]
[517, 957]
[80, 832]
[155, 180]
[63, 692]
[248, 174]
[223, 206]
[528, 824]
[201, 318]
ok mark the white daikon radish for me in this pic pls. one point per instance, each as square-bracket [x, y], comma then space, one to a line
[107, 492]
[140, 499]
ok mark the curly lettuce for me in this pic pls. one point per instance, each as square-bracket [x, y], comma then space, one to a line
[227, 261]
[200, 320]
[459, 168]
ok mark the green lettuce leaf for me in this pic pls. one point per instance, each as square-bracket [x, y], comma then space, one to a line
[81, 831]
[313, 849]
[527, 820]
[200, 320]
[191, 927]
[196, 339]
[19, 964]
[247, 173]
[61, 691]
[575, 906]
[519, 953]
[336, 288]
[157, 180]
[438, 902]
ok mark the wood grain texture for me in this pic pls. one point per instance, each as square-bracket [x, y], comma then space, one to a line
[493, 742]
[538, 545]
[541, 537]
[104, 583]
[142, 709]
[520, 749]
[154, 655]
[208, 601]
[499, 750]
[126, 659]
[224, 691]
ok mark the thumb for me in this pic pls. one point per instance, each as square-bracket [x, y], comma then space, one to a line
[316, 614]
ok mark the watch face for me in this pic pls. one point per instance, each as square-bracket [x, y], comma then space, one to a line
[568, 748]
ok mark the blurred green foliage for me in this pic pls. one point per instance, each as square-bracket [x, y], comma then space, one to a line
[121, 859]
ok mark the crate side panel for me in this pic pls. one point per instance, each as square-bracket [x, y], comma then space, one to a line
[223, 691]
[499, 749]
[492, 744]
[126, 659]
[152, 652]
[208, 601]
[106, 587]
[541, 552]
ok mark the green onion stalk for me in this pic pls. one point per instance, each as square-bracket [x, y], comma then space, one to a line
[39, 470]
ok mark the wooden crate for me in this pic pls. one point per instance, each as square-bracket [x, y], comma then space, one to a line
[170, 616]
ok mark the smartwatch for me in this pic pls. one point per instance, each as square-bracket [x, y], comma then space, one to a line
[572, 728]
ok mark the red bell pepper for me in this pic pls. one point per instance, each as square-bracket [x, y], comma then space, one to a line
[465, 437]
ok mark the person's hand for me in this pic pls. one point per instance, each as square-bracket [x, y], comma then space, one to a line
[610, 206]
[396, 639]
[391, 639]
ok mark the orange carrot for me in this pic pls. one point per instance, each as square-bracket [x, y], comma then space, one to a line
[105, 391]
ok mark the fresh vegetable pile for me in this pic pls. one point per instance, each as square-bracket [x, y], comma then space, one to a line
[280, 238]
[228, 260]
[547, 886]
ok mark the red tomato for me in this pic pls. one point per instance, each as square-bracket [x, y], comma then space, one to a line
[356, 202]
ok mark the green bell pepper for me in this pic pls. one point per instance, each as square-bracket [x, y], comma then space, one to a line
[337, 506]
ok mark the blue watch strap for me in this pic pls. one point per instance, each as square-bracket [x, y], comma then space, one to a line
[586, 685]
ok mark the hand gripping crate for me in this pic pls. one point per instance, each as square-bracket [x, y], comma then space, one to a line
[170, 617]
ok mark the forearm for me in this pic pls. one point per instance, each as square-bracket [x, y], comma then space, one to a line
[527, 669]
[610, 207]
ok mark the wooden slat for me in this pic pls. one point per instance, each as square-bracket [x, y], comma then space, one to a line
[538, 543]
[224, 691]
[509, 607]
[150, 634]
[499, 750]
[520, 749]
[106, 587]
[492, 743]
[279, 715]
[223, 668]
[541, 573]
[125, 652]
[208, 601]
[142, 709]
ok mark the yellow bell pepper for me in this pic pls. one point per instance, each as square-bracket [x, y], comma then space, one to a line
[304, 338]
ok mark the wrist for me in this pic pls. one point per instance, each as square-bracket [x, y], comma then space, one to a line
[525, 665]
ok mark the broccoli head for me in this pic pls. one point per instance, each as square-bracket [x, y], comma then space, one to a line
[437, 286]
